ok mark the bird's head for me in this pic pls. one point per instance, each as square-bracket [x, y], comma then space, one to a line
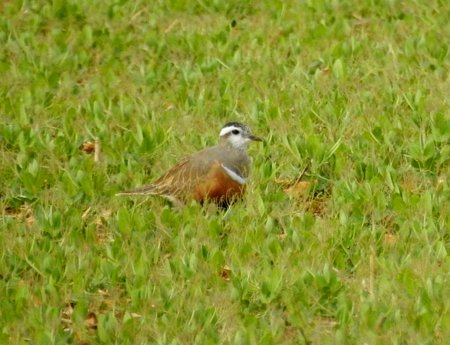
[237, 135]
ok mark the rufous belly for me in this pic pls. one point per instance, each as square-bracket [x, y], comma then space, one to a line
[218, 186]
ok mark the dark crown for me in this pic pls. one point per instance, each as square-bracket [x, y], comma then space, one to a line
[236, 124]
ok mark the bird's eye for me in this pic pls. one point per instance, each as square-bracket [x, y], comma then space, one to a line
[235, 131]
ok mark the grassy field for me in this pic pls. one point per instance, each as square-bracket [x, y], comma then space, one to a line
[352, 97]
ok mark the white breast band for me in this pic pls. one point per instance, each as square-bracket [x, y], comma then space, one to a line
[234, 176]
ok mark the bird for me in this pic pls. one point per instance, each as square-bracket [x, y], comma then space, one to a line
[217, 174]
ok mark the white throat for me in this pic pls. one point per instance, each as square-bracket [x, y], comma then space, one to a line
[238, 142]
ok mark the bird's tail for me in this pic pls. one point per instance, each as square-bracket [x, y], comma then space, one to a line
[153, 190]
[145, 190]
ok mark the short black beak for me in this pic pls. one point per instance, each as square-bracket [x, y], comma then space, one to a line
[254, 138]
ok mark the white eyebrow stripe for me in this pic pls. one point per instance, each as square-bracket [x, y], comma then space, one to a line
[228, 129]
[234, 176]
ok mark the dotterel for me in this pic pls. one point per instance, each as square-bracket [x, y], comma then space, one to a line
[218, 174]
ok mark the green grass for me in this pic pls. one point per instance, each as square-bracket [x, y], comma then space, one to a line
[357, 91]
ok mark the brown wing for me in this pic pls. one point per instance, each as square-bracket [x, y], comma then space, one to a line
[179, 181]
